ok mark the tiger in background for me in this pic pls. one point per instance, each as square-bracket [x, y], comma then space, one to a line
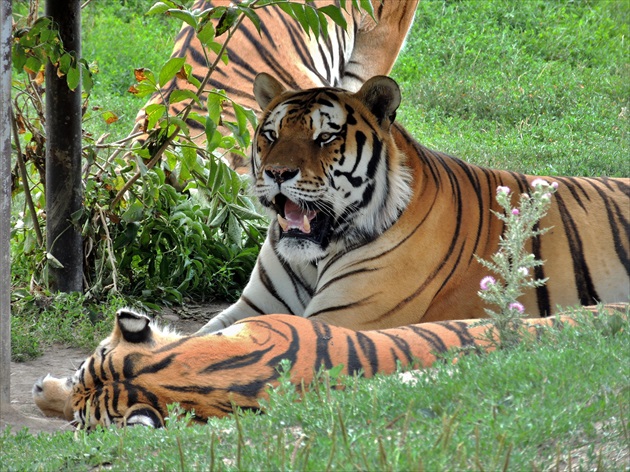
[140, 369]
[371, 230]
[344, 59]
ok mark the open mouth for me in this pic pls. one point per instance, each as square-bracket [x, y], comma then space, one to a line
[297, 222]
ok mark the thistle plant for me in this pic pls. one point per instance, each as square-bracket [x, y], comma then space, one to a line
[512, 265]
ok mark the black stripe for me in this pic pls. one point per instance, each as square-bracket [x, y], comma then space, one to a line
[402, 345]
[462, 332]
[269, 285]
[542, 291]
[437, 345]
[354, 364]
[583, 281]
[236, 362]
[369, 351]
[290, 353]
[322, 354]
[157, 366]
[615, 213]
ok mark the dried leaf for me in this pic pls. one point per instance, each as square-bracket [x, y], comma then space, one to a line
[39, 78]
[110, 117]
[182, 74]
[140, 75]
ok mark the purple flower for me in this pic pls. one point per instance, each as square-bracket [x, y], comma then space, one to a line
[517, 306]
[515, 212]
[554, 185]
[486, 282]
[502, 189]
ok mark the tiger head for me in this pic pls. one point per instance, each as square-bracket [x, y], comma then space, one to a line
[93, 395]
[325, 165]
[140, 369]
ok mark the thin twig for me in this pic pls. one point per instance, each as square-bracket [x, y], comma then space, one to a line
[24, 175]
[110, 248]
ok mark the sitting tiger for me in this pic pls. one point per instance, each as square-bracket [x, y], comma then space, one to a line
[139, 369]
[372, 230]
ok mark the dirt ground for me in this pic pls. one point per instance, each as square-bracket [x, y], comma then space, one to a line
[63, 361]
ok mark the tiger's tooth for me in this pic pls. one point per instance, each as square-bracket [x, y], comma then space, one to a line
[307, 225]
[284, 224]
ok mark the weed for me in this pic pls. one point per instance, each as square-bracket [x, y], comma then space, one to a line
[512, 263]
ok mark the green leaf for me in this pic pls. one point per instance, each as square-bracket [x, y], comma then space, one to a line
[73, 78]
[18, 57]
[53, 261]
[133, 213]
[214, 106]
[86, 77]
[313, 21]
[216, 48]
[366, 5]
[32, 65]
[227, 20]
[253, 17]
[219, 219]
[190, 77]
[65, 62]
[241, 117]
[176, 120]
[299, 13]
[235, 184]
[206, 32]
[335, 14]
[234, 230]
[189, 159]
[183, 15]
[158, 8]
[172, 67]
[217, 178]
[183, 94]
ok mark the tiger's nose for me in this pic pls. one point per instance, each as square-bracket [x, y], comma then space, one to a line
[281, 174]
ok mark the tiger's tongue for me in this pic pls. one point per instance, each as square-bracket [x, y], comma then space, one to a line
[296, 218]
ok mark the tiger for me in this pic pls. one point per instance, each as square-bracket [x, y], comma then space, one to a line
[345, 58]
[141, 368]
[371, 230]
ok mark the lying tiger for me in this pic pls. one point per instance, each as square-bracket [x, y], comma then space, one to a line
[371, 230]
[139, 369]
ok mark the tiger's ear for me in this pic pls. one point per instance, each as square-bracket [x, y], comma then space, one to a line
[266, 88]
[132, 326]
[381, 95]
[141, 414]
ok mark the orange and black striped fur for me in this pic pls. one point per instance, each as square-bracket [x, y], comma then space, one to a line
[136, 372]
[372, 230]
[344, 59]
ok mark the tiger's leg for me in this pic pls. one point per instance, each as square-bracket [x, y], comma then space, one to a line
[275, 286]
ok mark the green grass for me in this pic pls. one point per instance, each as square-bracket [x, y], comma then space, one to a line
[118, 38]
[539, 87]
[530, 408]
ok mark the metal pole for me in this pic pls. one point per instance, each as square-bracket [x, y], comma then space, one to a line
[5, 206]
[64, 194]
